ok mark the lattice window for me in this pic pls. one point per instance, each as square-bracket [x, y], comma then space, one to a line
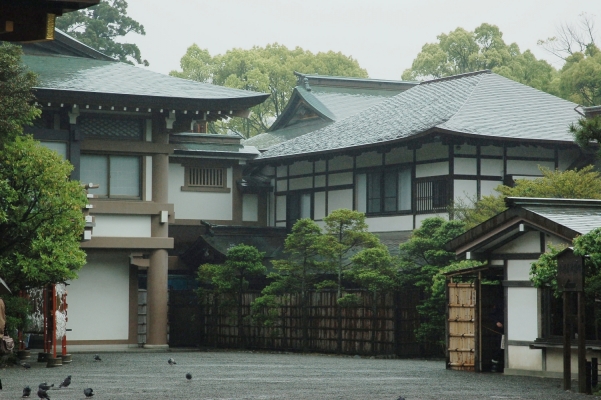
[113, 128]
[432, 195]
[206, 177]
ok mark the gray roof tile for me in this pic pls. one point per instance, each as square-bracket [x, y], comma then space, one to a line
[482, 103]
[579, 219]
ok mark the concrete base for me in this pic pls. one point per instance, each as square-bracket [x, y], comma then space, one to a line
[23, 354]
[54, 362]
[66, 358]
[156, 346]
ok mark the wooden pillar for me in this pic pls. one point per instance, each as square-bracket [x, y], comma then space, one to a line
[567, 351]
[581, 343]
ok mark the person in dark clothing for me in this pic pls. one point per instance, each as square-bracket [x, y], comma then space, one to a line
[497, 318]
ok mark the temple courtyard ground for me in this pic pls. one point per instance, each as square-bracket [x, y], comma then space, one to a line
[254, 375]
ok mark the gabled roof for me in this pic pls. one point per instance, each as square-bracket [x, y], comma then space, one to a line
[75, 73]
[566, 218]
[481, 104]
[319, 100]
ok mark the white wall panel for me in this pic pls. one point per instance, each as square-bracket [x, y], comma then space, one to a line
[320, 166]
[319, 208]
[338, 199]
[345, 178]
[300, 183]
[492, 167]
[301, 168]
[431, 151]
[488, 187]
[370, 159]
[148, 178]
[529, 242]
[99, 298]
[281, 171]
[433, 169]
[491, 150]
[518, 270]
[198, 205]
[320, 180]
[250, 207]
[280, 212]
[530, 151]
[390, 224]
[281, 185]
[361, 192]
[399, 155]
[340, 162]
[466, 166]
[523, 167]
[465, 190]
[524, 358]
[122, 225]
[467, 149]
[522, 307]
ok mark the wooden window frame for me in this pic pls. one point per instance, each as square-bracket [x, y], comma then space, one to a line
[213, 189]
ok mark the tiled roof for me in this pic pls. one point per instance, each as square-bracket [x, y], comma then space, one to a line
[89, 75]
[482, 104]
[578, 219]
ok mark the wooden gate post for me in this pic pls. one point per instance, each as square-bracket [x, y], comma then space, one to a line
[567, 350]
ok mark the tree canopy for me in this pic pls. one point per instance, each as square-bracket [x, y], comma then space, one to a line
[268, 69]
[462, 51]
[100, 26]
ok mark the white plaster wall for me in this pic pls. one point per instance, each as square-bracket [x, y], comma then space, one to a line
[320, 166]
[529, 242]
[341, 162]
[466, 166]
[523, 167]
[280, 208]
[344, 178]
[390, 224]
[250, 207]
[433, 169]
[419, 218]
[466, 149]
[370, 159]
[320, 180]
[491, 150]
[555, 359]
[319, 205]
[281, 171]
[148, 178]
[431, 151]
[361, 192]
[488, 187]
[465, 190]
[198, 205]
[522, 313]
[524, 358]
[271, 210]
[399, 155]
[299, 183]
[530, 151]
[518, 270]
[122, 225]
[338, 199]
[99, 298]
[492, 167]
[301, 168]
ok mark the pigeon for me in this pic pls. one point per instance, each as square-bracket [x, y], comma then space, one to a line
[26, 366]
[97, 357]
[66, 382]
[171, 361]
[44, 386]
[42, 394]
[88, 392]
[188, 376]
[26, 391]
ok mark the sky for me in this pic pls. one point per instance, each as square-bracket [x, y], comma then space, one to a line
[384, 36]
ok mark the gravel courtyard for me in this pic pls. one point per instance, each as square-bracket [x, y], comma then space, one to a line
[250, 375]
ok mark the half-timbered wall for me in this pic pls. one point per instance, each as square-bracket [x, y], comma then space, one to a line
[400, 187]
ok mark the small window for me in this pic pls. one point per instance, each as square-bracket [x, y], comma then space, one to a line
[204, 179]
[117, 176]
[387, 191]
[432, 195]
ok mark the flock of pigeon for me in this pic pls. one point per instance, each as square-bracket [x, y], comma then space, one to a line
[88, 392]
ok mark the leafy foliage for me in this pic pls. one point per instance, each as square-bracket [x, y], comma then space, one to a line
[16, 97]
[268, 69]
[587, 131]
[100, 26]
[584, 183]
[41, 221]
[461, 51]
[543, 272]
[580, 77]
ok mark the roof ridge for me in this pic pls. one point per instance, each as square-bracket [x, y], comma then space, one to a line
[459, 76]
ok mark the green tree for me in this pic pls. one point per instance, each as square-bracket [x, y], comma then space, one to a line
[231, 278]
[374, 270]
[461, 51]
[345, 234]
[268, 69]
[100, 26]
[41, 219]
[584, 183]
[587, 132]
[580, 77]
[16, 97]
[297, 273]
[421, 261]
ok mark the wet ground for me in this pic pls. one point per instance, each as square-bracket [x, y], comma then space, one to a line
[251, 375]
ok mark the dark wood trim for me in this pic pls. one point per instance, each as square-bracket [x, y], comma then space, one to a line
[195, 162]
[125, 146]
[521, 284]
[205, 189]
[133, 304]
[98, 342]
[515, 256]
[106, 206]
[524, 343]
[113, 242]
